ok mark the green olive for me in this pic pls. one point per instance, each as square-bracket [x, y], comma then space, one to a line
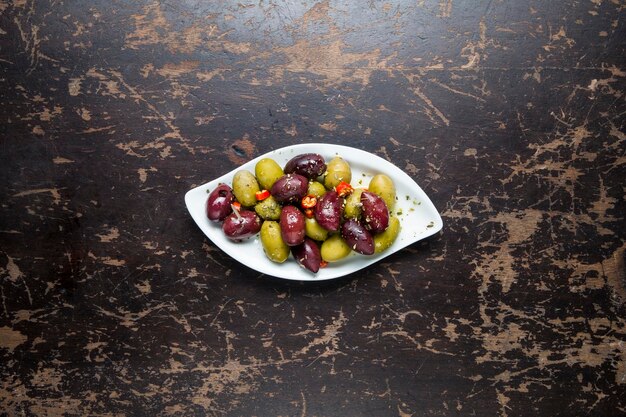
[352, 209]
[267, 172]
[383, 186]
[383, 240]
[313, 229]
[268, 209]
[245, 188]
[334, 249]
[273, 244]
[316, 188]
[337, 170]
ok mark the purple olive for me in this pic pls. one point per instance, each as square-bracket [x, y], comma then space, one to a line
[310, 165]
[307, 254]
[357, 237]
[290, 188]
[374, 212]
[218, 205]
[292, 225]
[241, 224]
[328, 211]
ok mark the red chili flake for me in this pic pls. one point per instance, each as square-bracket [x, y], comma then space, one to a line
[262, 195]
[323, 264]
[309, 213]
[344, 189]
[309, 201]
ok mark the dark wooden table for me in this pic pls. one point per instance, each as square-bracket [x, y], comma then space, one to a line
[510, 115]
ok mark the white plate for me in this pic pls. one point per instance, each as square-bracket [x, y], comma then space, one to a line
[418, 219]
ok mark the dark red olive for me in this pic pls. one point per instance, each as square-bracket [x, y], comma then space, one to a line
[307, 254]
[218, 204]
[292, 227]
[357, 237]
[241, 224]
[328, 211]
[310, 165]
[374, 212]
[290, 188]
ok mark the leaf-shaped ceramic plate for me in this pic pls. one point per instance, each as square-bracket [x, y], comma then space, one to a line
[418, 216]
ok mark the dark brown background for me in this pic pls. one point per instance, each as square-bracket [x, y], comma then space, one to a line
[510, 115]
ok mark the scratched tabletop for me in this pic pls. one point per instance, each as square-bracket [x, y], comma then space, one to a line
[511, 116]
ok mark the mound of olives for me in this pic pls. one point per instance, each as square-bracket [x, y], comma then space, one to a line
[307, 209]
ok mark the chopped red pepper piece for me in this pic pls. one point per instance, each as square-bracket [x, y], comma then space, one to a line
[309, 213]
[309, 201]
[323, 264]
[343, 189]
[262, 195]
[236, 205]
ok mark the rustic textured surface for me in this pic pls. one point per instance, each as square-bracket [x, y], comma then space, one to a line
[511, 115]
